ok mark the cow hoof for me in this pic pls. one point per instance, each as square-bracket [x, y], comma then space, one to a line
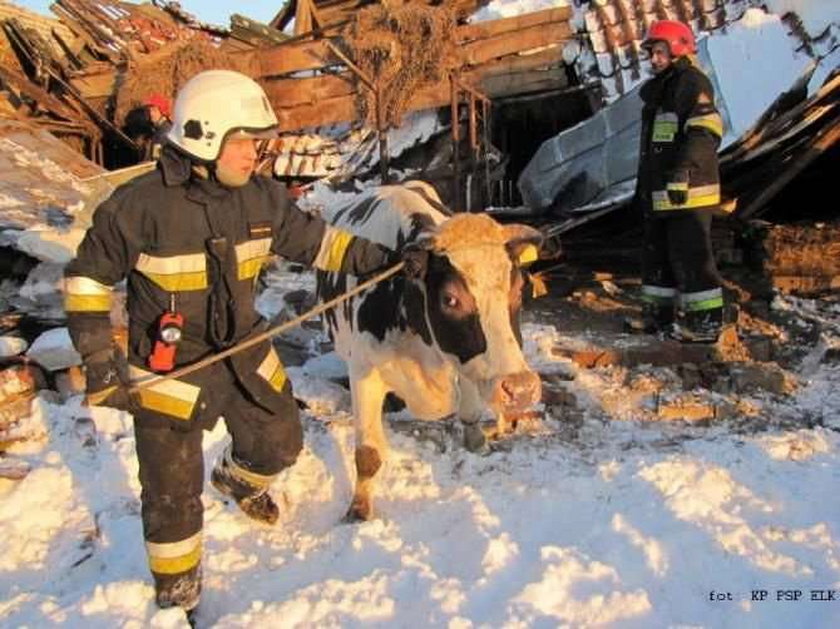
[359, 511]
[475, 440]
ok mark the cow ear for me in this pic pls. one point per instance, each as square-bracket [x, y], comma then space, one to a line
[416, 258]
[523, 243]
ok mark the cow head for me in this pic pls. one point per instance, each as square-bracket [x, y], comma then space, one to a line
[468, 271]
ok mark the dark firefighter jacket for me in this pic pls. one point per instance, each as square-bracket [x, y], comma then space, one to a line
[187, 243]
[681, 131]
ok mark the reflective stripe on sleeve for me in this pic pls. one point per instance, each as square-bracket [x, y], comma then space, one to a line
[169, 397]
[333, 247]
[175, 273]
[252, 478]
[700, 196]
[271, 370]
[175, 557]
[84, 294]
[710, 122]
[702, 300]
[652, 293]
[251, 256]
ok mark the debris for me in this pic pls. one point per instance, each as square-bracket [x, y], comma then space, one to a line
[54, 350]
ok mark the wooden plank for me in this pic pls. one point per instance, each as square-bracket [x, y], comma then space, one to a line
[289, 92]
[524, 82]
[482, 42]
[95, 85]
[296, 57]
[481, 51]
[492, 28]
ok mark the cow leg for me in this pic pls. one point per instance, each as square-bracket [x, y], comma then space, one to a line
[470, 407]
[368, 392]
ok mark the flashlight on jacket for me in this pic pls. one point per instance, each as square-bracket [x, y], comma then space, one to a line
[170, 329]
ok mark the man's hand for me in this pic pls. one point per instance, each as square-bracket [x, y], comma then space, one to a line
[677, 187]
[108, 383]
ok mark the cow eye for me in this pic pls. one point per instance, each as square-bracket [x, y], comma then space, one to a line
[449, 301]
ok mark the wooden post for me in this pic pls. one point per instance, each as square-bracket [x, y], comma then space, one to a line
[382, 132]
[381, 126]
[456, 140]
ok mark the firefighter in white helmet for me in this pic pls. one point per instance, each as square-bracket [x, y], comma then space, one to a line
[189, 239]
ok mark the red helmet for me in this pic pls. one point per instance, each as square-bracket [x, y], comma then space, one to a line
[161, 102]
[676, 34]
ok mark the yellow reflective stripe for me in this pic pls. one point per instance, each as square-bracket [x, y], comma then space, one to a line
[84, 294]
[700, 196]
[176, 557]
[252, 478]
[529, 254]
[711, 122]
[87, 303]
[271, 370]
[665, 127]
[333, 247]
[175, 273]
[678, 185]
[251, 256]
[169, 397]
[702, 300]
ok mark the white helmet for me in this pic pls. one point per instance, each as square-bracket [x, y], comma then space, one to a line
[215, 103]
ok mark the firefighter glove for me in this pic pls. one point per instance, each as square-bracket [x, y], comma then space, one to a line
[108, 384]
[678, 187]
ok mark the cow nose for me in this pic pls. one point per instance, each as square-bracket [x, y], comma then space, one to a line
[520, 390]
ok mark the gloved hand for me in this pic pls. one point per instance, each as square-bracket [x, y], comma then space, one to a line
[677, 187]
[108, 382]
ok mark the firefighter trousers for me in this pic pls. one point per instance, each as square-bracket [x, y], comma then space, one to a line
[172, 465]
[679, 274]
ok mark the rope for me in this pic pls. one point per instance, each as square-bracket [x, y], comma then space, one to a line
[96, 398]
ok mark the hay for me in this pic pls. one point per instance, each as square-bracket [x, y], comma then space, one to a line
[166, 71]
[402, 48]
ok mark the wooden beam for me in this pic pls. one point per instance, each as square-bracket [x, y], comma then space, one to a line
[484, 50]
[492, 28]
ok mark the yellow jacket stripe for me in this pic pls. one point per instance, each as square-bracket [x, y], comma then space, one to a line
[170, 397]
[252, 478]
[710, 122]
[251, 256]
[333, 247]
[271, 370]
[175, 273]
[84, 294]
[175, 557]
[701, 196]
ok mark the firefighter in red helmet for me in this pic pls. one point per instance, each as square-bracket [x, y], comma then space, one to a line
[678, 188]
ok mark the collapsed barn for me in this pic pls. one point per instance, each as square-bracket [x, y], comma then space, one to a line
[545, 107]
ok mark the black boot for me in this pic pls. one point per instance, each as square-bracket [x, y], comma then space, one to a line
[702, 326]
[178, 590]
[655, 318]
[254, 501]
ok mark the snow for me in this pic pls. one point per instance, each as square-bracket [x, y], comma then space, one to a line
[12, 346]
[600, 516]
[54, 350]
[620, 522]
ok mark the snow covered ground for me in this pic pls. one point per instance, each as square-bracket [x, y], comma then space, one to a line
[593, 517]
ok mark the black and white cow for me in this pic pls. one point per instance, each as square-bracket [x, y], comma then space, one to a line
[444, 335]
